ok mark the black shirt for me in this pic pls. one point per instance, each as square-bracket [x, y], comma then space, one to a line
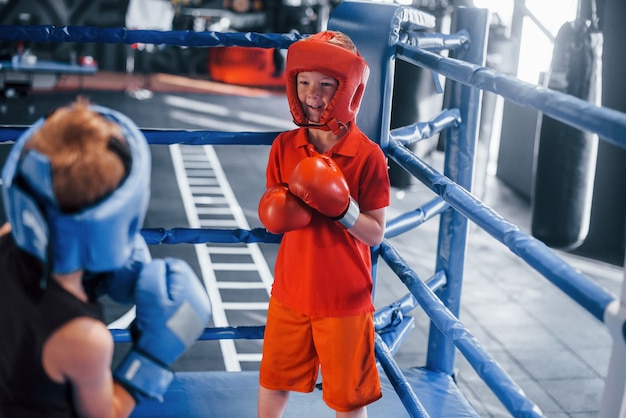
[28, 316]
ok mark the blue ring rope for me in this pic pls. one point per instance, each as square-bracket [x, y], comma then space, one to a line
[120, 35]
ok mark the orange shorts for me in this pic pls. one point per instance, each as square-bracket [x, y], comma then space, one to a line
[296, 346]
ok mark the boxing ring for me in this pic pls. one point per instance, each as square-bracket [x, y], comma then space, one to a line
[384, 33]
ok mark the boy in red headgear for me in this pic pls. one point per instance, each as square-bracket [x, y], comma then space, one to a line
[328, 188]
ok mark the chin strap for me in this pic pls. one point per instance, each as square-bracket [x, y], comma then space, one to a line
[333, 125]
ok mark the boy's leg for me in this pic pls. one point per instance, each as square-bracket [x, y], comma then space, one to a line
[358, 413]
[345, 347]
[289, 361]
[272, 403]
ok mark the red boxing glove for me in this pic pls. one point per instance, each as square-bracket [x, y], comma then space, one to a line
[319, 183]
[280, 211]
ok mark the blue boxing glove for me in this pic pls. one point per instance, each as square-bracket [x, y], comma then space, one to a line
[120, 284]
[172, 310]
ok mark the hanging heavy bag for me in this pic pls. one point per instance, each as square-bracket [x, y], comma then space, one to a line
[565, 156]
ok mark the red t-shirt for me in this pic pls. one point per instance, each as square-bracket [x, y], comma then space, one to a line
[322, 270]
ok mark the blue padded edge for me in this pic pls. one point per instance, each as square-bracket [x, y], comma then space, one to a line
[234, 394]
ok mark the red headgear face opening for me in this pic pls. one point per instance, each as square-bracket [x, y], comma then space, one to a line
[348, 68]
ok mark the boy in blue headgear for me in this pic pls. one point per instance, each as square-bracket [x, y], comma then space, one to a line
[76, 190]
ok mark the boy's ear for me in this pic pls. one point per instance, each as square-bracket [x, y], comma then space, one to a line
[356, 99]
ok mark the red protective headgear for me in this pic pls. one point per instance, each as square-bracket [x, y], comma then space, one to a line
[315, 53]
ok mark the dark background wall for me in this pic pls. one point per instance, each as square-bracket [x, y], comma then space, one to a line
[272, 16]
[100, 13]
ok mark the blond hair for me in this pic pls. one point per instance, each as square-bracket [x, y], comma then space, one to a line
[342, 40]
[77, 141]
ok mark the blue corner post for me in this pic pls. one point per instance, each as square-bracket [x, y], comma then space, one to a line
[376, 29]
[460, 147]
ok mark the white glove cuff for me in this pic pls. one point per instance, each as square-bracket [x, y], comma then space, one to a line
[352, 214]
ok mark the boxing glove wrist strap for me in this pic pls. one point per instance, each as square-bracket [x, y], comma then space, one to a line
[143, 376]
[350, 216]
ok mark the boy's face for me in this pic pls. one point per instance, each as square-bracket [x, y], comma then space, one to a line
[315, 90]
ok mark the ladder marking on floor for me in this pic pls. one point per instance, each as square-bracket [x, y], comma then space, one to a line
[245, 306]
[197, 164]
[249, 357]
[199, 173]
[208, 200]
[213, 211]
[235, 267]
[196, 159]
[227, 250]
[227, 347]
[199, 181]
[207, 176]
[255, 250]
[241, 285]
[211, 190]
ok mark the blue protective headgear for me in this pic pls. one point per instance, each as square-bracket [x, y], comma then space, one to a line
[97, 238]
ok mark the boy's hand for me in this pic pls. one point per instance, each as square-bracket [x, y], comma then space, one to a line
[319, 183]
[280, 211]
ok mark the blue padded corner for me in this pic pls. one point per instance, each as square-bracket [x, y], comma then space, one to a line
[234, 394]
[376, 28]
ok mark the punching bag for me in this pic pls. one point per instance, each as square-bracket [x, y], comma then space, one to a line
[566, 157]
